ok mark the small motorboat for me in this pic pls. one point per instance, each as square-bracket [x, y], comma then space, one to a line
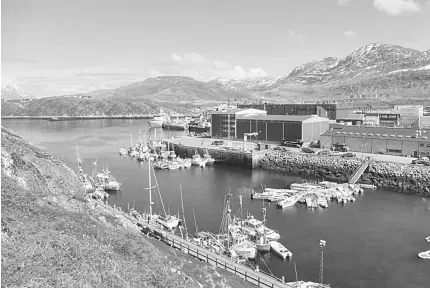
[280, 249]
[428, 239]
[366, 186]
[288, 202]
[424, 255]
[323, 202]
[262, 244]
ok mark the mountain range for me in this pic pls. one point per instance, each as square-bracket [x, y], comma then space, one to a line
[9, 92]
[372, 70]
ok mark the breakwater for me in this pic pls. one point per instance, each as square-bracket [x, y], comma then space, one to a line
[57, 118]
[410, 179]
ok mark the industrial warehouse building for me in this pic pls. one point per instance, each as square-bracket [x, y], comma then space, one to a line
[278, 127]
[330, 110]
[219, 121]
[393, 141]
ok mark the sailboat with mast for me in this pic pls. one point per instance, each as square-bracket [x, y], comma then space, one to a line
[262, 243]
[84, 178]
[167, 221]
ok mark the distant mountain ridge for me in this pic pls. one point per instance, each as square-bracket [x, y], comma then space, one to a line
[10, 93]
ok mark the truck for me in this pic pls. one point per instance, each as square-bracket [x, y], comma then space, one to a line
[340, 148]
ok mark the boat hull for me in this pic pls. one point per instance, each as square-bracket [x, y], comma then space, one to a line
[424, 255]
[155, 123]
[280, 250]
[263, 247]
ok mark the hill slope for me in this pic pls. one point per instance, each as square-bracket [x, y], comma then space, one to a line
[52, 235]
[170, 88]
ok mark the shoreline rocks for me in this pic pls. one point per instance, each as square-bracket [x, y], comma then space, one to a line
[409, 179]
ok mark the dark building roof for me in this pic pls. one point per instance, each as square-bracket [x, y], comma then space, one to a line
[299, 118]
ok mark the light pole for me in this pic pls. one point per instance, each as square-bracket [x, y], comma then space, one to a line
[322, 245]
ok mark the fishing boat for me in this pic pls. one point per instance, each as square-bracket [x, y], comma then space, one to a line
[108, 182]
[322, 202]
[198, 160]
[157, 121]
[174, 166]
[280, 250]
[99, 192]
[262, 244]
[304, 186]
[122, 151]
[256, 227]
[424, 255]
[428, 239]
[209, 160]
[287, 202]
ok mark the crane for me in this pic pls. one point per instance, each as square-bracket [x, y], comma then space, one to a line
[246, 135]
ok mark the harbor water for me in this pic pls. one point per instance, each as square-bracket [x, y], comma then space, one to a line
[373, 242]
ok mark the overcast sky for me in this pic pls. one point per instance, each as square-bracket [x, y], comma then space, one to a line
[52, 47]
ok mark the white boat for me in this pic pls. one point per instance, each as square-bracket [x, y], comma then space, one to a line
[256, 227]
[323, 202]
[122, 151]
[243, 247]
[304, 186]
[169, 222]
[174, 166]
[428, 239]
[158, 121]
[288, 202]
[367, 186]
[424, 255]
[209, 160]
[280, 249]
[198, 160]
[108, 182]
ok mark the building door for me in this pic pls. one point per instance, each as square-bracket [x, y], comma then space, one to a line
[416, 154]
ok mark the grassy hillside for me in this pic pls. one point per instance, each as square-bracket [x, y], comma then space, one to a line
[53, 236]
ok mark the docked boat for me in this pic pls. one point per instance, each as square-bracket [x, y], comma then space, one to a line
[428, 239]
[123, 151]
[174, 166]
[175, 126]
[304, 186]
[280, 250]
[367, 186]
[200, 126]
[99, 193]
[322, 202]
[198, 160]
[108, 182]
[244, 248]
[157, 121]
[255, 227]
[262, 243]
[287, 202]
[156, 145]
[209, 160]
[424, 255]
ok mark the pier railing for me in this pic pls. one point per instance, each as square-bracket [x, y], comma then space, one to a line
[258, 278]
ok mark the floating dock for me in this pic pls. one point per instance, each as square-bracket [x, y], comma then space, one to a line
[186, 147]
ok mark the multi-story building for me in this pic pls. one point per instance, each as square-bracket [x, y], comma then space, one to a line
[220, 125]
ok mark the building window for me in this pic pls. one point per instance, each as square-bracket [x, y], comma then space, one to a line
[421, 145]
[428, 145]
[394, 151]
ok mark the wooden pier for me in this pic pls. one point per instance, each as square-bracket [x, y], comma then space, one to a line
[186, 147]
[255, 277]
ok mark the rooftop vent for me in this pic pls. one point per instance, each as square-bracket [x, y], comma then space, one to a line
[338, 132]
[357, 133]
[350, 133]
[400, 136]
[392, 135]
[377, 134]
[424, 137]
[370, 133]
[384, 134]
[408, 136]
[344, 132]
[363, 133]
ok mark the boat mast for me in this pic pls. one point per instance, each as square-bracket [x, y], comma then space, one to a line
[195, 223]
[228, 119]
[241, 212]
[150, 188]
[183, 213]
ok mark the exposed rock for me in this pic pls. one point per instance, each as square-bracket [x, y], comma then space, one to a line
[410, 179]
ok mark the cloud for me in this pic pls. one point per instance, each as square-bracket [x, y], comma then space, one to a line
[195, 57]
[220, 64]
[294, 35]
[238, 72]
[102, 71]
[396, 7]
[9, 82]
[154, 73]
[176, 57]
[102, 86]
[343, 2]
[350, 34]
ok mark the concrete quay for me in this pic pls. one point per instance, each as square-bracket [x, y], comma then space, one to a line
[407, 178]
[233, 154]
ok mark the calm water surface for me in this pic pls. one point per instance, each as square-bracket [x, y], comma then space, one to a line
[371, 243]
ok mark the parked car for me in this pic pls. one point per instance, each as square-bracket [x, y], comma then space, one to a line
[335, 153]
[278, 148]
[308, 150]
[297, 143]
[340, 148]
[217, 143]
[421, 161]
[380, 153]
[315, 144]
[323, 153]
[348, 155]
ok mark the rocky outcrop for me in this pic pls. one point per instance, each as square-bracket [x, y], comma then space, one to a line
[410, 179]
